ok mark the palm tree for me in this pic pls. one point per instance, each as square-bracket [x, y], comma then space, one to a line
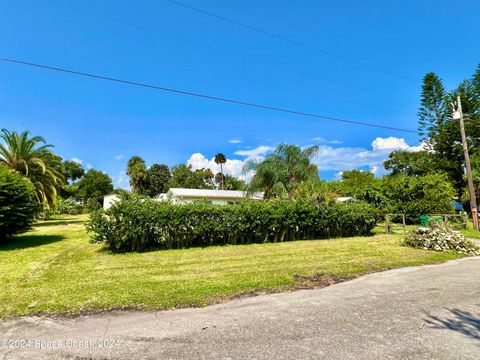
[138, 172]
[26, 155]
[221, 159]
[287, 167]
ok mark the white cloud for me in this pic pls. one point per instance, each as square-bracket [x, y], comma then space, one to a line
[256, 153]
[235, 141]
[348, 158]
[389, 143]
[121, 181]
[322, 140]
[119, 157]
[89, 166]
[77, 160]
[231, 167]
[329, 158]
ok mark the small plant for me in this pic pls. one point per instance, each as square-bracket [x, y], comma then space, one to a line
[440, 237]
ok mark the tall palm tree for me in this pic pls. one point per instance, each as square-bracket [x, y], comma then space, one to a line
[138, 172]
[27, 156]
[281, 171]
[221, 159]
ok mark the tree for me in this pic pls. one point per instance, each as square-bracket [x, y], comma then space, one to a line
[72, 170]
[94, 185]
[433, 110]
[137, 170]
[282, 170]
[361, 185]
[184, 177]
[230, 182]
[357, 178]
[221, 159]
[18, 203]
[159, 175]
[409, 163]
[207, 176]
[440, 132]
[27, 156]
[415, 196]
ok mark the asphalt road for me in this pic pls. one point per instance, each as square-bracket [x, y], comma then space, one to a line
[429, 312]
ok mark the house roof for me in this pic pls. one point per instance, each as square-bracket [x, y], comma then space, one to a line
[205, 193]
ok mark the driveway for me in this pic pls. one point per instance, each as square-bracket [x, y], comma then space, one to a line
[428, 312]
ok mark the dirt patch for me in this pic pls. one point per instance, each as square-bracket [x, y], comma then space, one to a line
[318, 280]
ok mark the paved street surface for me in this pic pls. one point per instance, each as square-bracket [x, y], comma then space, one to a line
[429, 312]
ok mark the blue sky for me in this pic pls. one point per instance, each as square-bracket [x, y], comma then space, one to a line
[102, 123]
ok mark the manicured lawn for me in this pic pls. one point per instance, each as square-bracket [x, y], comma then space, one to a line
[55, 268]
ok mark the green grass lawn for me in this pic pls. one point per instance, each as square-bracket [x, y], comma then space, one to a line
[469, 232]
[55, 268]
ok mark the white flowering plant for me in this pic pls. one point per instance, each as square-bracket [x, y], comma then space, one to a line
[440, 237]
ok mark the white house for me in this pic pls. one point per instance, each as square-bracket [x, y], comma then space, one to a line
[216, 197]
[342, 199]
[109, 200]
[185, 196]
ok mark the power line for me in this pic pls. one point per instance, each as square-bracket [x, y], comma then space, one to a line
[219, 49]
[176, 62]
[199, 95]
[291, 41]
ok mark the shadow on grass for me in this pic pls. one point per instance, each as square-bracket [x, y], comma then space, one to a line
[29, 241]
[460, 321]
[58, 222]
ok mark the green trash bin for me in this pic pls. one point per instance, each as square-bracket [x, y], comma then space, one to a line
[424, 220]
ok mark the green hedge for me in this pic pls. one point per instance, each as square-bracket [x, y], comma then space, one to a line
[135, 225]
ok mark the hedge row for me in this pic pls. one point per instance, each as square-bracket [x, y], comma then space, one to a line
[134, 225]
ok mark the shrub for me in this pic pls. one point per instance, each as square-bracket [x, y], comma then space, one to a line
[18, 204]
[416, 196]
[67, 206]
[92, 204]
[440, 237]
[136, 224]
[410, 195]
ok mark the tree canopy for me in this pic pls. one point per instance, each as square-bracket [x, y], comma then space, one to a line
[184, 177]
[31, 157]
[412, 163]
[158, 177]
[95, 184]
[72, 170]
[281, 171]
[138, 172]
[441, 133]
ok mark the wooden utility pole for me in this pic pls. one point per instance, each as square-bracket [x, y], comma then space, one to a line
[458, 115]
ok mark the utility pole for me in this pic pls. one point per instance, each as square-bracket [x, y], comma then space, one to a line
[458, 115]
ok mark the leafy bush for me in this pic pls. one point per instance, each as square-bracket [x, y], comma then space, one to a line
[136, 225]
[67, 206]
[416, 196]
[440, 237]
[410, 195]
[92, 205]
[18, 204]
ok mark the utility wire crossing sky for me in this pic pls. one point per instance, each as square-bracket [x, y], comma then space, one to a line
[354, 67]
[209, 97]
